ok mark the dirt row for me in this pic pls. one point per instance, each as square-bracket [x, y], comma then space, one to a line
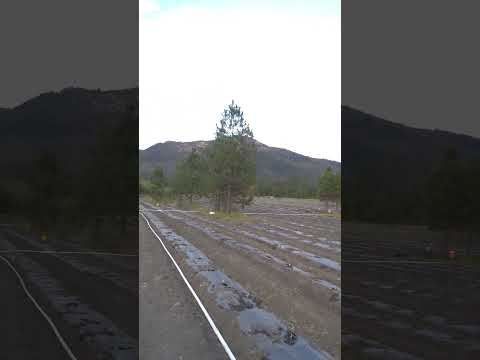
[420, 309]
[85, 294]
[278, 266]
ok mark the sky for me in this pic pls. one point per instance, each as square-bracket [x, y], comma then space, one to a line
[279, 60]
[413, 62]
[52, 44]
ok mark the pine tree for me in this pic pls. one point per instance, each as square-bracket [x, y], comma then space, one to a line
[329, 186]
[232, 160]
[190, 176]
[447, 193]
[158, 180]
[450, 200]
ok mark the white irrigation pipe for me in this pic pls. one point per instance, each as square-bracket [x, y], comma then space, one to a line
[207, 315]
[50, 322]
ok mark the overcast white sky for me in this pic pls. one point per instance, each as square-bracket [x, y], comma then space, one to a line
[281, 64]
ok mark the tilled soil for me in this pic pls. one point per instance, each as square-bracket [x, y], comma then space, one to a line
[86, 296]
[419, 308]
[172, 325]
[278, 264]
[24, 332]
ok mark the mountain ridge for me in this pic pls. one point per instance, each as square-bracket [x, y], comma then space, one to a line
[67, 124]
[271, 161]
[391, 163]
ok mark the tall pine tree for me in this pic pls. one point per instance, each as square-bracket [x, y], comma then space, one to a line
[232, 160]
[329, 187]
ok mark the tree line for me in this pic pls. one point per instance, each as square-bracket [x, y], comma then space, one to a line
[225, 172]
[93, 179]
[294, 187]
[454, 196]
[445, 196]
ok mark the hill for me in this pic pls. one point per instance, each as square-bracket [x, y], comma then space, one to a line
[271, 162]
[386, 164]
[70, 112]
[67, 122]
[63, 142]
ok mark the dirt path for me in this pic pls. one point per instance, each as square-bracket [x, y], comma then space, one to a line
[25, 334]
[172, 325]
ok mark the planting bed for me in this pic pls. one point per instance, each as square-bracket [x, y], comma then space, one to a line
[288, 266]
[420, 308]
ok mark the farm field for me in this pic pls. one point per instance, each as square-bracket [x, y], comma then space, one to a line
[417, 306]
[85, 292]
[270, 276]
[266, 204]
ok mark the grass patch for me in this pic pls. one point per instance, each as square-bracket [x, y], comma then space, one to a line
[337, 215]
[186, 205]
[332, 213]
[154, 200]
[234, 216]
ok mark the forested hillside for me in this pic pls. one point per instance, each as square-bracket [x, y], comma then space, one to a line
[391, 164]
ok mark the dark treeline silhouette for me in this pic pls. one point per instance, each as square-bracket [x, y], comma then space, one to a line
[388, 177]
[410, 238]
[293, 187]
[71, 159]
[273, 165]
[454, 197]
[405, 175]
